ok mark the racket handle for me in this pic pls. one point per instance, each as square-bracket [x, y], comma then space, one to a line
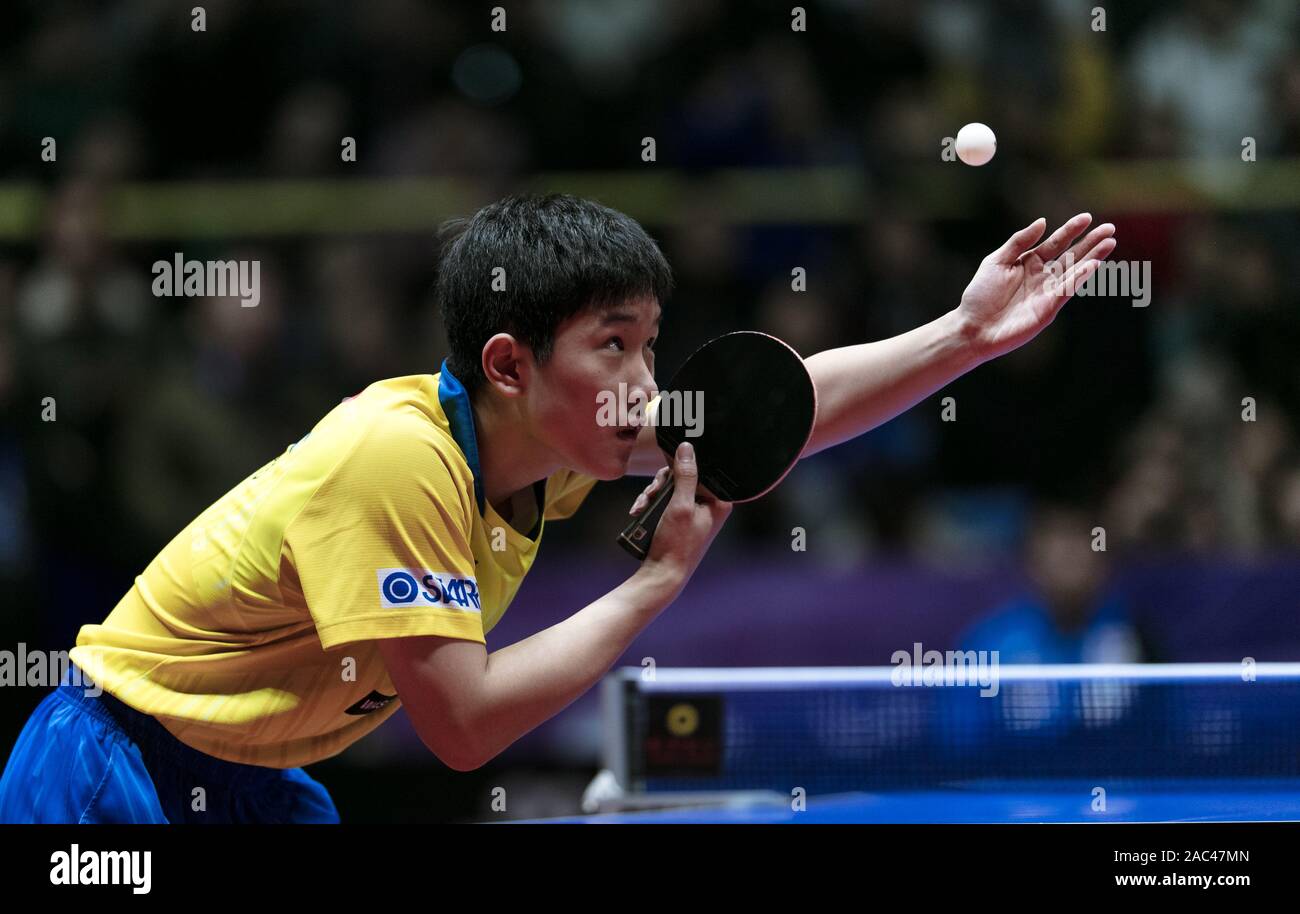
[640, 531]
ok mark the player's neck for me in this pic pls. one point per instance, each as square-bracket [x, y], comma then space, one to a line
[510, 458]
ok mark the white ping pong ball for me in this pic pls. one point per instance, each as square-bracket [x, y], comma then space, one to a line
[976, 144]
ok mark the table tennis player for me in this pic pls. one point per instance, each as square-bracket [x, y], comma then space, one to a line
[362, 567]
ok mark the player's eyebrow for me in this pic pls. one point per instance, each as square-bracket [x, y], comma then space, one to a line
[625, 317]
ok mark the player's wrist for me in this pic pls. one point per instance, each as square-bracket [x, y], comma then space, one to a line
[966, 336]
[659, 582]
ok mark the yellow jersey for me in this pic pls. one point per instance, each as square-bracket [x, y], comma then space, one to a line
[251, 635]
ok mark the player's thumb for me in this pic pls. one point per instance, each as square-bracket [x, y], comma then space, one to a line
[685, 474]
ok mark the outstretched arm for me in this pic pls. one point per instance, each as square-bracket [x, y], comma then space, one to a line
[1016, 292]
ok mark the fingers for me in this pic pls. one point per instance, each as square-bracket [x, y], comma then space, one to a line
[1068, 284]
[1101, 250]
[1092, 241]
[1020, 242]
[1064, 288]
[685, 476]
[683, 473]
[1061, 238]
[1073, 276]
[648, 492]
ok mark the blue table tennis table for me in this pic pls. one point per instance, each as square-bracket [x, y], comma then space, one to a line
[1210, 801]
[1045, 744]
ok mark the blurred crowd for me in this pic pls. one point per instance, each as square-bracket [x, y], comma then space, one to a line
[1135, 416]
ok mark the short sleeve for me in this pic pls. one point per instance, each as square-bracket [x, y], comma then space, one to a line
[565, 491]
[382, 548]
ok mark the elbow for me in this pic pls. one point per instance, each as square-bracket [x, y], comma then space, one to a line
[459, 760]
[459, 750]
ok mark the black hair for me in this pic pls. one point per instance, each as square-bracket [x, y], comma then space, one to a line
[561, 254]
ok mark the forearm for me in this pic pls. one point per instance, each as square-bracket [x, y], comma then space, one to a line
[534, 679]
[862, 386]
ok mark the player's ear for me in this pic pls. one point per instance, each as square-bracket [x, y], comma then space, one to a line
[506, 364]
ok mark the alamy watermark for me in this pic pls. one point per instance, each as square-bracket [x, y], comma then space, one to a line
[88, 867]
[1129, 279]
[684, 408]
[946, 668]
[36, 668]
[179, 277]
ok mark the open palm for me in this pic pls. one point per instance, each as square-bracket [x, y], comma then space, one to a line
[1019, 288]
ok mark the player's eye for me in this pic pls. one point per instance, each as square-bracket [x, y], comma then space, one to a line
[617, 341]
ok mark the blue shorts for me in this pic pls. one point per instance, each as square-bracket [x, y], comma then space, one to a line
[93, 759]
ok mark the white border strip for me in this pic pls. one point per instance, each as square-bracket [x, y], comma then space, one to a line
[776, 677]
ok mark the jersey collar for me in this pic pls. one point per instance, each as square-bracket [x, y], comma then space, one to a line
[456, 406]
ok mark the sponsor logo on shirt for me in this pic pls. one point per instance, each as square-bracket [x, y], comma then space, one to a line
[402, 587]
[375, 701]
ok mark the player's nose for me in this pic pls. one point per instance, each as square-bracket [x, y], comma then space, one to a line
[642, 390]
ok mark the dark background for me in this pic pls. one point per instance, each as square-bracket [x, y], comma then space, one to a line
[776, 149]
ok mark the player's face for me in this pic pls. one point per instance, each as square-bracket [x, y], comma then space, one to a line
[585, 397]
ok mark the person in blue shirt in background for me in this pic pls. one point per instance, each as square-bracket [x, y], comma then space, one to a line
[1068, 615]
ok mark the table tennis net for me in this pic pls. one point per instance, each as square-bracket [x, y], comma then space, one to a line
[830, 730]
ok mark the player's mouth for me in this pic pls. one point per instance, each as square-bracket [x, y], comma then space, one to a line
[628, 434]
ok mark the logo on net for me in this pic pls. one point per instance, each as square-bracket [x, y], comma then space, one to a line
[402, 587]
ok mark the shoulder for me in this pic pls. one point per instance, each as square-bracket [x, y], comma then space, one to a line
[384, 445]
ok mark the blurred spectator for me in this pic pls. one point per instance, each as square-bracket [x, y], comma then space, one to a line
[1206, 65]
[162, 405]
[208, 418]
[1285, 505]
[1068, 616]
[15, 523]
[81, 320]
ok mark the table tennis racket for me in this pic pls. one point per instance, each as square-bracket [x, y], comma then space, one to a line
[755, 406]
